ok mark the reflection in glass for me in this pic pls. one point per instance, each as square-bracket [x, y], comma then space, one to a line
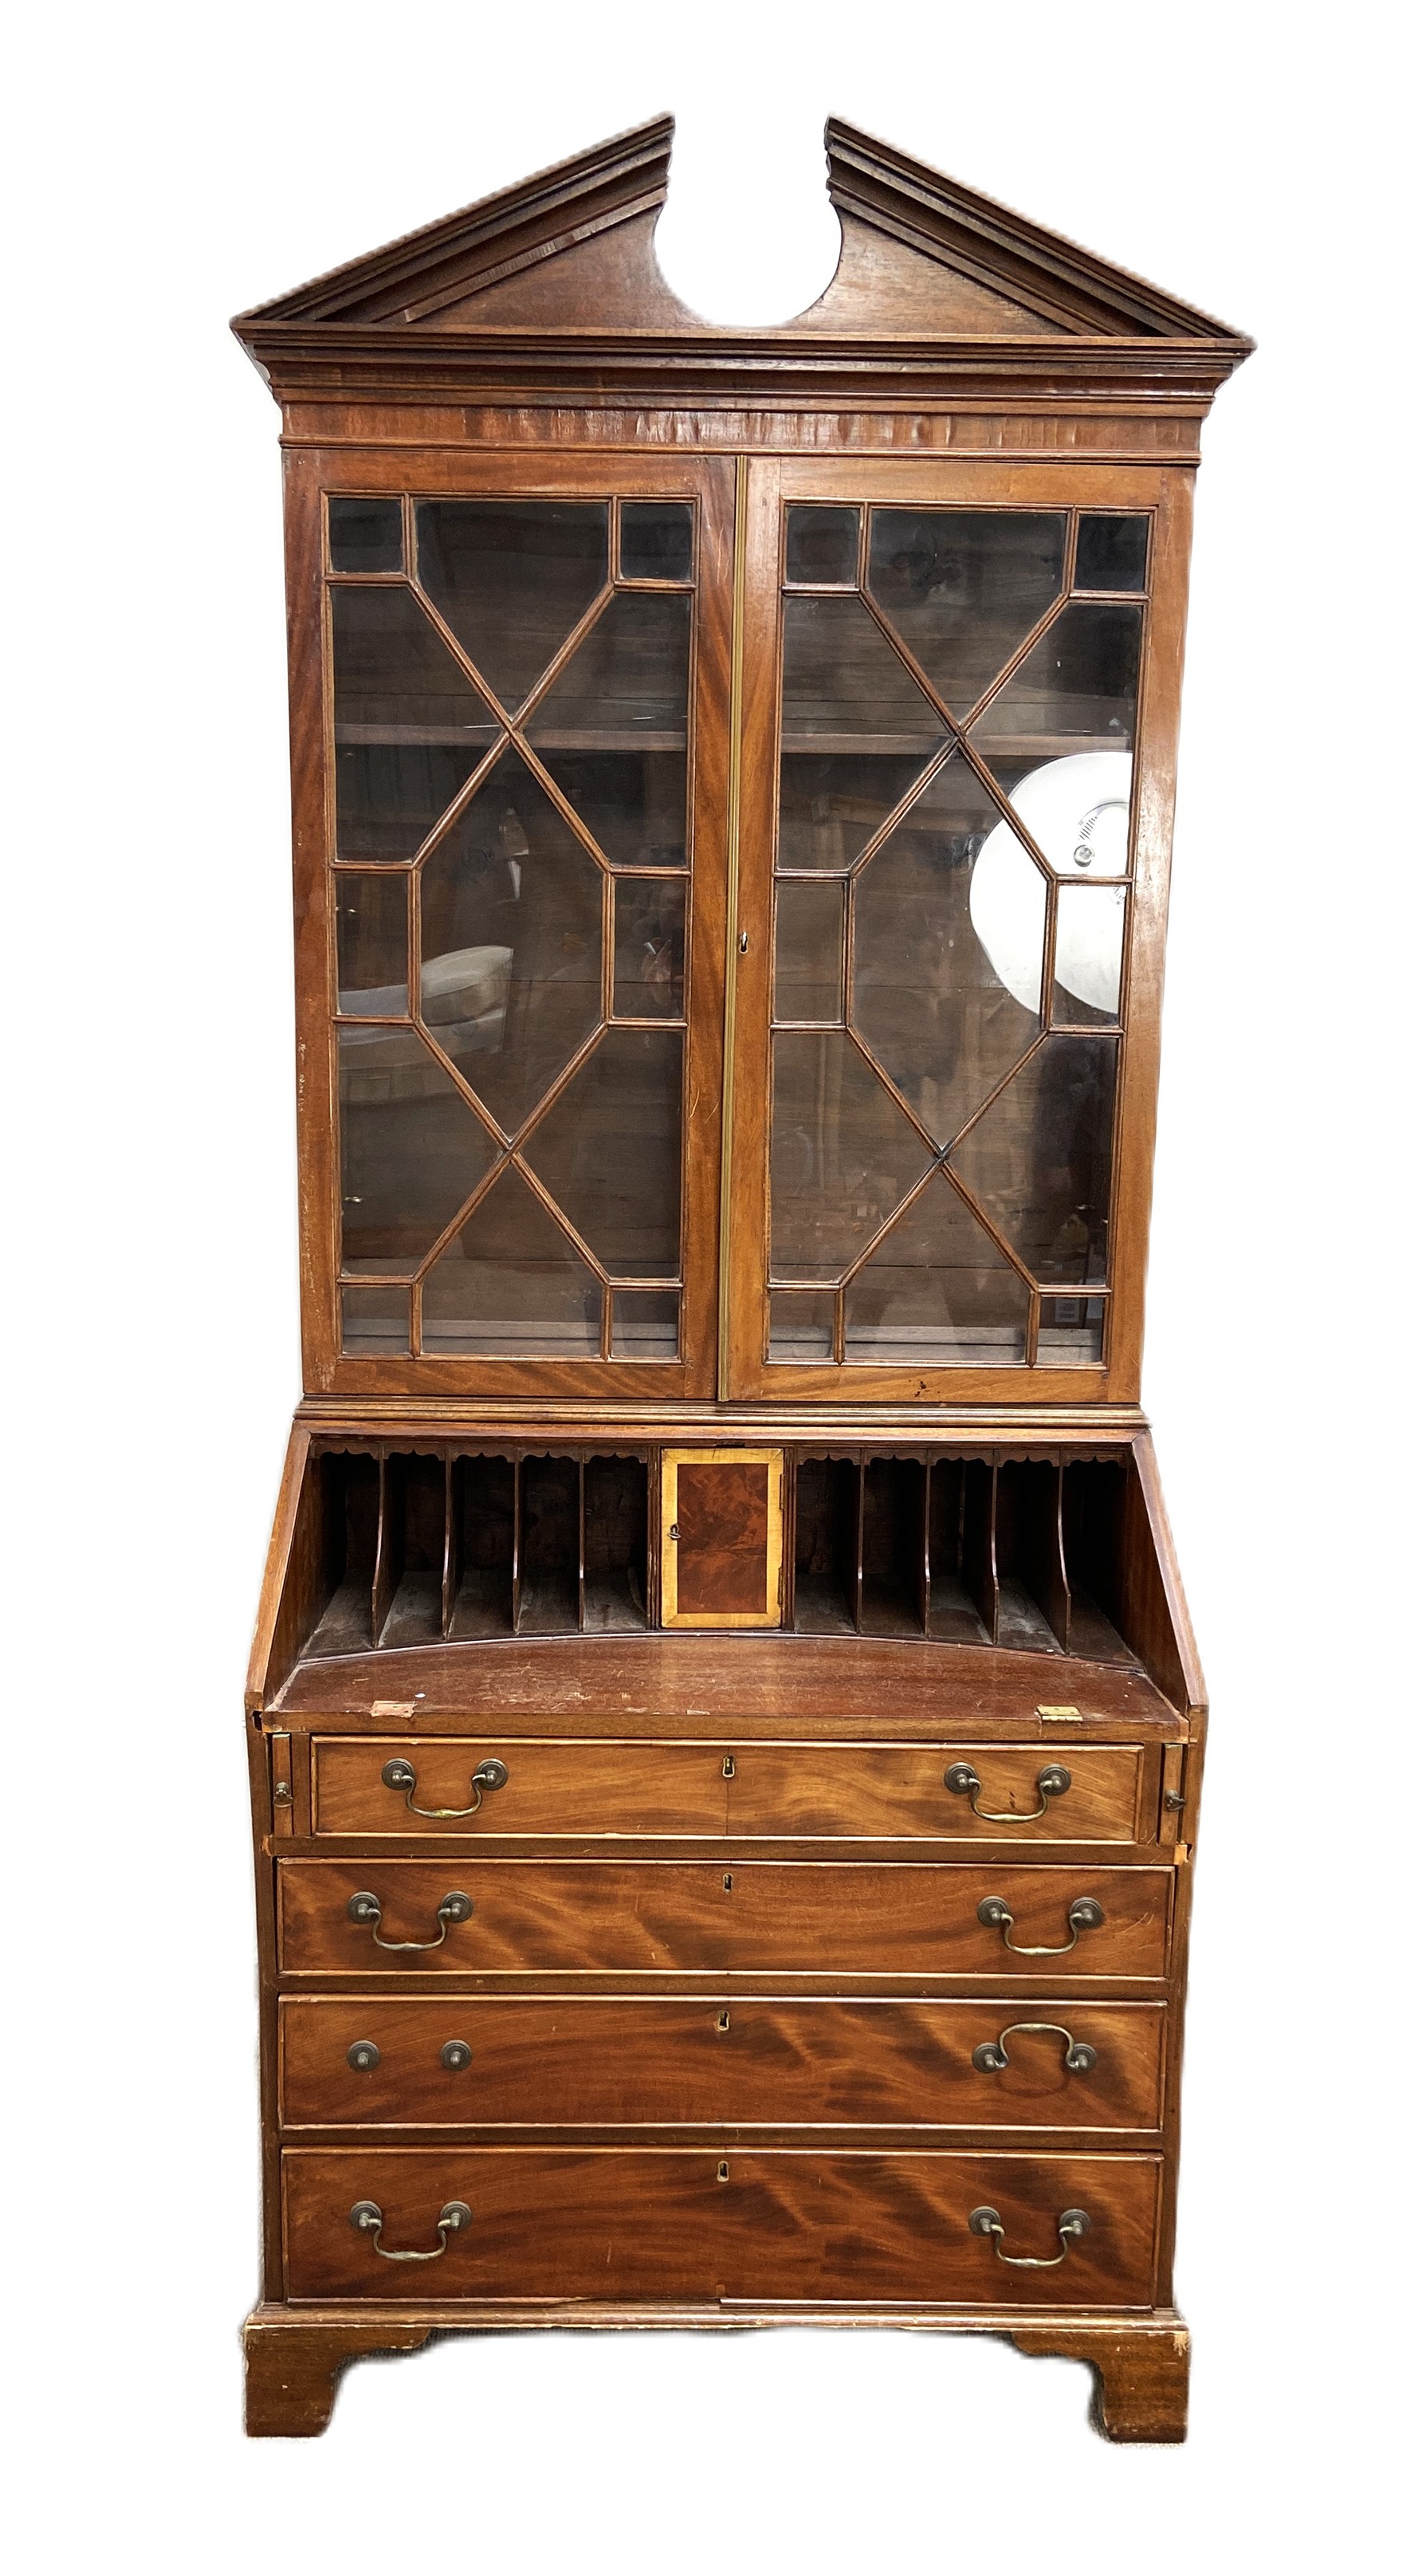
[511, 1282]
[822, 543]
[1040, 1160]
[810, 943]
[937, 1292]
[613, 729]
[376, 1323]
[511, 578]
[656, 541]
[645, 1324]
[964, 588]
[925, 995]
[801, 1323]
[1071, 1332]
[856, 733]
[511, 935]
[371, 944]
[648, 948]
[364, 536]
[412, 1149]
[1112, 553]
[1089, 950]
[843, 1155]
[608, 1150]
[1082, 678]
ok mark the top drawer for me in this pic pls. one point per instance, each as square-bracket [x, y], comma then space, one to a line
[878, 1792]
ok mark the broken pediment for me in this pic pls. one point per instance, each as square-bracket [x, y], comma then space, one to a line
[561, 274]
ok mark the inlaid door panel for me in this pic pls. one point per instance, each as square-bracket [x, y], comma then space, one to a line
[645, 2223]
[471, 1913]
[752, 2061]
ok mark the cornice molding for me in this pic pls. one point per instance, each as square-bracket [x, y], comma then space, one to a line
[1075, 326]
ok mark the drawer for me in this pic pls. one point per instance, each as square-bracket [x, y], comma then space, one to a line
[750, 2061]
[616, 2223]
[667, 1917]
[363, 1785]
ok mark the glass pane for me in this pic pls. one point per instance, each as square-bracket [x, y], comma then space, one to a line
[810, 935]
[856, 732]
[964, 588]
[364, 536]
[409, 727]
[656, 541]
[1082, 679]
[511, 938]
[648, 949]
[1089, 949]
[511, 579]
[512, 1283]
[391, 795]
[829, 807]
[634, 803]
[937, 1292]
[412, 1149]
[800, 1327]
[1112, 553]
[613, 730]
[376, 1322]
[645, 1325]
[1071, 1332]
[1039, 1161]
[609, 1151]
[371, 945]
[822, 543]
[843, 1155]
[947, 1017]
[844, 689]
[626, 689]
[1076, 811]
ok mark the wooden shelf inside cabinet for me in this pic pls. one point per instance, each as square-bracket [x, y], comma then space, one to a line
[725, 1731]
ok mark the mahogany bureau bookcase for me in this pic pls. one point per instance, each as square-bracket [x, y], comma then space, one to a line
[724, 1725]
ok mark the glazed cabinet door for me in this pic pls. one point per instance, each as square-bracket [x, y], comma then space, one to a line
[959, 694]
[511, 730]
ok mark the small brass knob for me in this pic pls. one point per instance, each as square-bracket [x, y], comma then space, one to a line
[363, 2056]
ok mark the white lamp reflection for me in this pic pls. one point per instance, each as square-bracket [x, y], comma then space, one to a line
[1076, 811]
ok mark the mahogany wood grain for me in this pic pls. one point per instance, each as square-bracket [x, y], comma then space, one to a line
[962, 355]
[744, 2060]
[722, 1787]
[766, 1684]
[292, 2368]
[295, 2355]
[1141, 2392]
[684, 2223]
[861, 1918]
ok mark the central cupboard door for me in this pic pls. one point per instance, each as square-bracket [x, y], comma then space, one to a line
[522, 813]
[956, 738]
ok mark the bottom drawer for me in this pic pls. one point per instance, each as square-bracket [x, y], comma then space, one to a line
[684, 2224]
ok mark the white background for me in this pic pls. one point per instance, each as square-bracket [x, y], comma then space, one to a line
[170, 166]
